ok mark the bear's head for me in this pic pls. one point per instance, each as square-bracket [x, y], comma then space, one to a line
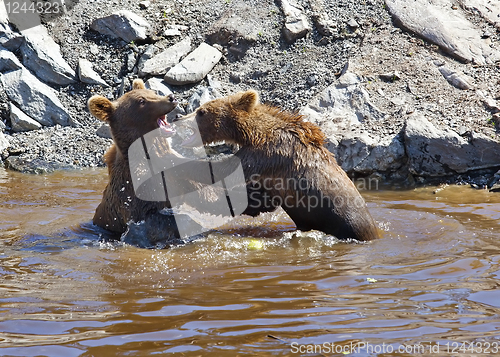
[134, 114]
[222, 119]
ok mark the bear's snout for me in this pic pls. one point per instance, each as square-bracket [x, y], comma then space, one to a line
[171, 98]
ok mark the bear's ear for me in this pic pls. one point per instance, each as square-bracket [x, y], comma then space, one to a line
[101, 107]
[138, 84]
[246, 100]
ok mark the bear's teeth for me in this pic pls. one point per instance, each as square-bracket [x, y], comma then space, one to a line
[165, 127]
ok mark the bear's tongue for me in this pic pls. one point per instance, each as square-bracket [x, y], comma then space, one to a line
[165, 127]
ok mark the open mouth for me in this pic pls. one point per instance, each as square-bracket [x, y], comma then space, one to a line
[165, 128]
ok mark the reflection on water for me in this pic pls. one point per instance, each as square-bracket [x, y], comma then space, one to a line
[256, 287]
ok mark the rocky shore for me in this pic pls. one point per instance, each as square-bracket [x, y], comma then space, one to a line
[406, 93]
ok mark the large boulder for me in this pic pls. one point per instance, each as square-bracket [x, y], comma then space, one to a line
[435, 152]
[35, 98]
[364, 154]
[43, 57]
[439, 23]
[20, 121]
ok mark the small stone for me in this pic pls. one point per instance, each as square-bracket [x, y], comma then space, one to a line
[4, 143]
[312, 80]
[296, 23]
[235, 77]
[104, 131]
[174, 30]
[94, 49]
[171, 33]
[88, 75]
[491, 104]
[456, 79]
[322, 21]
[144, 4]
[390, 76]
[487, 34]
[352, 24]
[131, 60]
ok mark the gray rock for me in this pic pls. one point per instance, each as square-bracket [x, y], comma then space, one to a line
[35, 166]
[104, 131]
[322, 21]
[4, 143]
[159, 86]
[8, 61]
[8, 38]
[43, 57]
[148, 53]
[435, 152]
[390, 76]
[162, 62]
[201, 96]
[131, 61]
[438, 23]
[195, 66]
[490, 10]
[352, 23]
[238, 28]
[342, 105]
[361, 153]
[19, 121]
[144, 4]
[296, 23]
[122, 24]
[491, 104]
[35, 98]
[455, 78]
[88, 75]
[174, 30]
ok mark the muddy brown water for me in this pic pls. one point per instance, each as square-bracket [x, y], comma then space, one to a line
[256, 288]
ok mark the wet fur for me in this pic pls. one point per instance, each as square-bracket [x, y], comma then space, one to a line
[278, 145]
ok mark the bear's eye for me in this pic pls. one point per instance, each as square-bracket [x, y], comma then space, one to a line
[142, 101]
[201, 112]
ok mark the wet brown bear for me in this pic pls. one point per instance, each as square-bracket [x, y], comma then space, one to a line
[130, 117]
[285, 164]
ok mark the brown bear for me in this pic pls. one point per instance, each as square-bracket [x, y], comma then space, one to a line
[133, 115]
[285, 164]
